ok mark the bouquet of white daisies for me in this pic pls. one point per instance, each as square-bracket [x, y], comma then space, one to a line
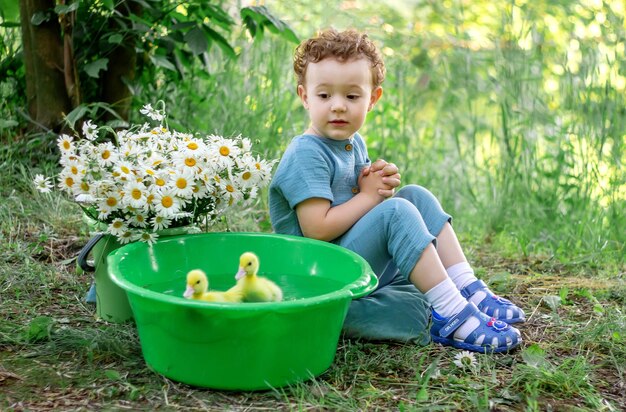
[154, 178]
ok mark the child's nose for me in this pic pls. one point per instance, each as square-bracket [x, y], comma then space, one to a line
[338, 106]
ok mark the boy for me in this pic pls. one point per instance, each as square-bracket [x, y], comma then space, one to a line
[325, 188]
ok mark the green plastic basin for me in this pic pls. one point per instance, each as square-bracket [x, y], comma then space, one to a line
[240, 346]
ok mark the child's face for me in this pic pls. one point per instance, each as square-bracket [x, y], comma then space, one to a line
[338, 95]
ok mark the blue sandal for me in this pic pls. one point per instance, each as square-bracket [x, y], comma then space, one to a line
[491, 336]
[494, 305]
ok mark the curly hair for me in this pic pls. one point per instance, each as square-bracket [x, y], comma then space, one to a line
[343, 46]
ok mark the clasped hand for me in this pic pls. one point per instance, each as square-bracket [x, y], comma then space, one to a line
[388, 175]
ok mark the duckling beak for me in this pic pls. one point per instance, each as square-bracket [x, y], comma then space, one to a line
[241, 273]
[188, 292]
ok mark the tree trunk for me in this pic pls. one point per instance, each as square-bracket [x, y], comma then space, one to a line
[46, 54]
[121, 68]
[29, 67]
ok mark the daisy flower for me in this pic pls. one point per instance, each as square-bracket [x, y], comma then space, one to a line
[148, 237]
[182, 183]
[124, 170]
[126, 237]
[117, 227]
[66, 144]
[135, 194]
[187, 159]
[138, 219]
[43, 184]
[68, 182]
[160, 222]
[106, 153]
[152, 113]
[111, 201]
[465, 360]
[166, 203]
[153, 178]
[90, 130]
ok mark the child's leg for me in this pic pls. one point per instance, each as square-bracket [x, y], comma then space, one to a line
[453, 259]
[396, 311]
[395, 230]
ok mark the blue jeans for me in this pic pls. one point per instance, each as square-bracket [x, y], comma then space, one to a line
[392, 237]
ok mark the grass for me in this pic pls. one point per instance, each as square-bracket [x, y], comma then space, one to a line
[55, 355]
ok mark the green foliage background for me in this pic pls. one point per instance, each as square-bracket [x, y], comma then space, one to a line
[512, 113]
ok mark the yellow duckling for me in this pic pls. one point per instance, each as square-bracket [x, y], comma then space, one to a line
[198, 286]
[252, 287]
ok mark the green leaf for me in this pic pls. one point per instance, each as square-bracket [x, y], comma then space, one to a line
[9, 10]
[196, 40]
[535, 356]
[113, 375]
[116, 38]
[256, 18]
[218, 16]
[39, 18]
[162, 61]
[76, 114]
[5, 124]
[109, 4]
[64, 9]
[39, 329]
[221, 42]
[93, 68]
[552, 301]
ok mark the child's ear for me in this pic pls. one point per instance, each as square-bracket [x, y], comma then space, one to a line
[303, 96]
[376, 94]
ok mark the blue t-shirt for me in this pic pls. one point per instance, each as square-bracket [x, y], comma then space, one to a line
[314, 167]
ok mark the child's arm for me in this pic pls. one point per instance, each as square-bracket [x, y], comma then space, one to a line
[318, 220]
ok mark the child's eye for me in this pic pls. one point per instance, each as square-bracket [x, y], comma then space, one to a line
[323, 95]
[353, 96]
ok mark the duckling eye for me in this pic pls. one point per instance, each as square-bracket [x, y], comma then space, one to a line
[249, 263]
[198, 282]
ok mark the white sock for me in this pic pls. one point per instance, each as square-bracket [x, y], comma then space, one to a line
[447, 301]
[461, 274]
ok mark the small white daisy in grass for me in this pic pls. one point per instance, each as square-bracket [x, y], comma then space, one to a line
[465, 360]
[90, 130]
[43, 184]
[65, 143]
[153, 177]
